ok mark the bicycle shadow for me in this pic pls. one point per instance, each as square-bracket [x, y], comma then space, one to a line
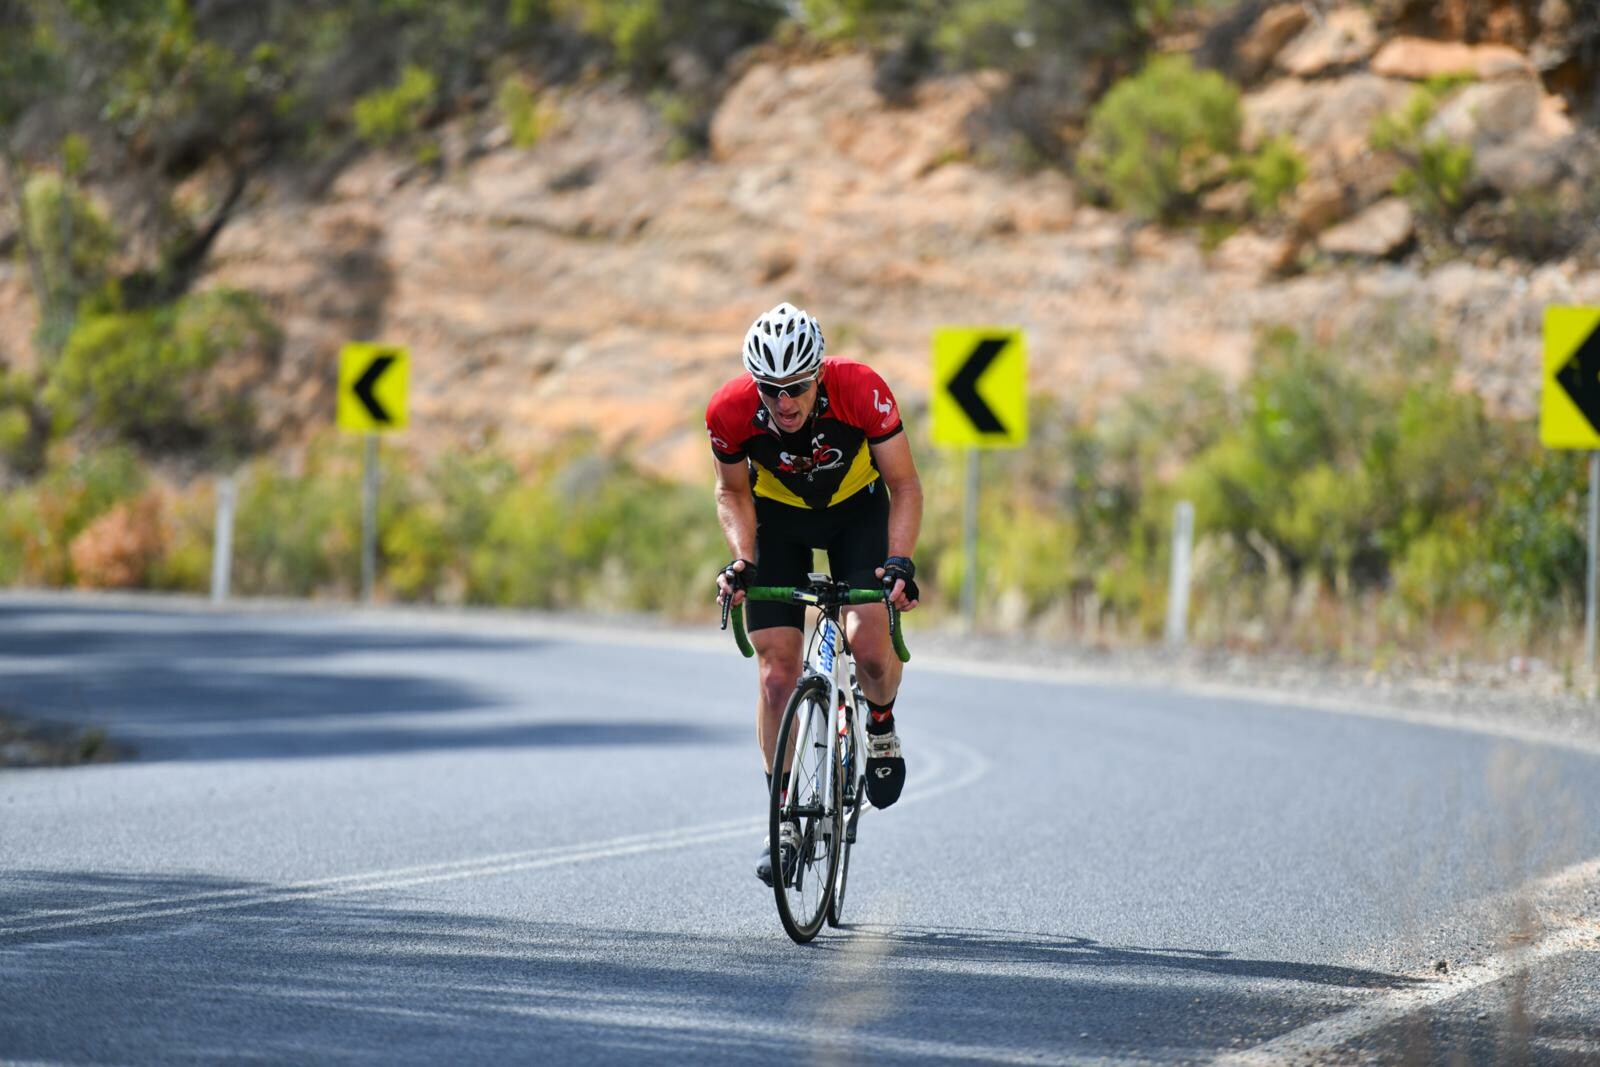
[983, 946]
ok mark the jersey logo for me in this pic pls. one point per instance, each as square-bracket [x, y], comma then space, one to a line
[824, 457]
[885, 408]
[719, 442]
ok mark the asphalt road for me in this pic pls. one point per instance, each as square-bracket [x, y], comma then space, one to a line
[367, 838]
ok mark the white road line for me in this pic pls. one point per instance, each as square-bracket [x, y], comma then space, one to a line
[46, 920]
[1327, 1034]
[319, 883]
[378, 881]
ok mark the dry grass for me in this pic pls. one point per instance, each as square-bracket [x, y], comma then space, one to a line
[29, 744]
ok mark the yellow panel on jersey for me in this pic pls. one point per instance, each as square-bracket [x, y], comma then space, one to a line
[767, 485]
[860, 475]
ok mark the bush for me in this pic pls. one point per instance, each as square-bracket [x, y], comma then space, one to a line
[73, 243]
[300, 535]
[524, 114]
[429, 546]
[1437, 172]
[1156, 140]
[146, 378]
[386, 117]
[585, 531]
[1273, 171]
[39, 523]
[119, 549]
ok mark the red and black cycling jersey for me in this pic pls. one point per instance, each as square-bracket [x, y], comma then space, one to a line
[828, 459]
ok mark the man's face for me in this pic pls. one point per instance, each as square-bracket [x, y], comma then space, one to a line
[796, 397]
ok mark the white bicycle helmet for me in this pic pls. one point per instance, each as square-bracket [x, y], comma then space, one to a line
[782, 343]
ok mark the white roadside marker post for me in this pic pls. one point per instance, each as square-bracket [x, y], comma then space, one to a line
[222, 539]
[1179, 578]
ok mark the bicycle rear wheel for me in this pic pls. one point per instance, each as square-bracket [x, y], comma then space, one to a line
[848, 762]
[815, 805]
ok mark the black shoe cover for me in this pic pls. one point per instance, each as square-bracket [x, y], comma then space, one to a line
[764, 864]
[885, 779]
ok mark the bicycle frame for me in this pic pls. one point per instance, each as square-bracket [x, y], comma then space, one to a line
[828, 656]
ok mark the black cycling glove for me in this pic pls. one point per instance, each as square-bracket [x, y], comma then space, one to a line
[901, 567]
[740, 579]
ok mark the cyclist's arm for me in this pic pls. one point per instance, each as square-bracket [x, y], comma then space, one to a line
[894, 462]
[736, 511]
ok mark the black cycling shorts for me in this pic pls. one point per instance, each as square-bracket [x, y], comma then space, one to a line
[855, 534]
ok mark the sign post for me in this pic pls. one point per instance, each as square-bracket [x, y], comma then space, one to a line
[373, 380]
[979, 400]
[1569, 418]
[1179, 578]
[222, 538]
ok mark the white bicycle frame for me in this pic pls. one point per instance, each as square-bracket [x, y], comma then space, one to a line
[827, 659]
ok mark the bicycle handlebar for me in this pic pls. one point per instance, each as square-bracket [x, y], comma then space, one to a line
[794, 594]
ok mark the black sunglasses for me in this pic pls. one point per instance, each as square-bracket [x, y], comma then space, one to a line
[794, 390]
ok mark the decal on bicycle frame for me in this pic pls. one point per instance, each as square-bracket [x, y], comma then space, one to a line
[827, 646]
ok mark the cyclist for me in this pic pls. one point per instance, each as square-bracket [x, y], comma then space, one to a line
[811, 453]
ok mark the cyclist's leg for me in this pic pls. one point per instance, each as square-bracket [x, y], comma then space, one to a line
[782, 558]
[775, 632]
[778, 650]
[858, 548]
[878, 669]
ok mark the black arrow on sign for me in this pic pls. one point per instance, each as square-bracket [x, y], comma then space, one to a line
[963, 386]
[364, 385]
[1580, 377]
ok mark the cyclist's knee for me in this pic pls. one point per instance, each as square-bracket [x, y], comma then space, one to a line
[778, 677]
[877, 665]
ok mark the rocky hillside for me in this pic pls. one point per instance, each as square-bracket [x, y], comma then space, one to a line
[591, 281]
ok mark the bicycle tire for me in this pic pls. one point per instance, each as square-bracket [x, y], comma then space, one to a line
[803, 917]
[847, 840]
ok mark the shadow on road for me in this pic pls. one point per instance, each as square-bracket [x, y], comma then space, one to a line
[240, 965]
[180, 686]
[1013, 947]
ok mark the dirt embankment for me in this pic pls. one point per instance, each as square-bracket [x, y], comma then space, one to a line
[591, 282]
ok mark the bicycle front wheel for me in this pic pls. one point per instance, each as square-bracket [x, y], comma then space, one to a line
[847, 764]
[812, 799]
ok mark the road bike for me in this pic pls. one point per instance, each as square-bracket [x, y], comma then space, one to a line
[823, 789]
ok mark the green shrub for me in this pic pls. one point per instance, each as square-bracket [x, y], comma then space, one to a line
[1018, 35]
[1274, 170]
[585, 531]
[300, 534]
[391, 116]
[145, 376]
[1437, 172]
[522, 111]
[189, 525]
[72, 243]
[644, 34]
[428, 546]
[1158, 138]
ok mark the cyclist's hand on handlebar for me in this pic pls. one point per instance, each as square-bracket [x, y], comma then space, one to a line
[899, 576]
[733, 580]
